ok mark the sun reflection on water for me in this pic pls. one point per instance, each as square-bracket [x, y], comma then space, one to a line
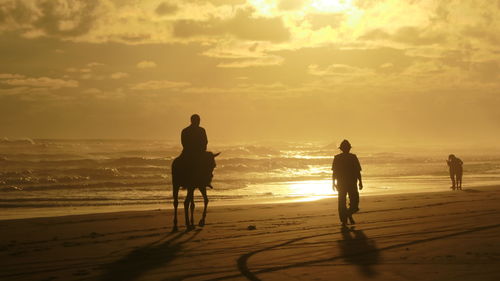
[311, 190]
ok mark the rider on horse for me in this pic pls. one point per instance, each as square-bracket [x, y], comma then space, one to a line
[194, 144]
[192, 169]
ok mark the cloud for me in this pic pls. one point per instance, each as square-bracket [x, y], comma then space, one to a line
[94, 64]
[14, 91]
[244, 25]
[63, 18]
[318, 20]
[337, 69]
[159, 84]
[418, 36]
[86, 76]
[119, 75]
[146, 64]
[290, 5]
[482, 33]
[407, 35]
[42, 82]
[76, 70]
[236, 49]
[92, 91]
[10, 76]
[166, 8]
[264, 61]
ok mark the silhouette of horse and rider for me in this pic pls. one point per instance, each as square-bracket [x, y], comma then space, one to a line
[192, 170]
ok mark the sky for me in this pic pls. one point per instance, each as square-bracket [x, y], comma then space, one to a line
[300, 70]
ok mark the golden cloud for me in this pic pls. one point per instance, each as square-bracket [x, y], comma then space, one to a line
[146, 64]
[42, 82]
[159, 85]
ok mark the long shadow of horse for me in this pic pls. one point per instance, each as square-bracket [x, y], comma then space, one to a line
[144, 259]
[356, 248]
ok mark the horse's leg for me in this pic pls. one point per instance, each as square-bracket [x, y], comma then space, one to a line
[187, 203]
[203, 191]
[192, 205]
[175, 192]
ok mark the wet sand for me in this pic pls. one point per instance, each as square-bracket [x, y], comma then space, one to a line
[449, 235]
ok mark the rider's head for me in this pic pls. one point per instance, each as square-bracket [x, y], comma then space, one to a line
[195, 119]
[345, 146]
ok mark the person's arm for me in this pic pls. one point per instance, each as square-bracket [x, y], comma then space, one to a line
[183, 138]
[334, 176]
[204, 138]
[360, 180]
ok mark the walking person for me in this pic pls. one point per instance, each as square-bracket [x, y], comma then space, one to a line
[456, 171]
[346, 175]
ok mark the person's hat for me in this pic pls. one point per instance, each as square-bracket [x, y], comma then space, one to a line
[345, 144]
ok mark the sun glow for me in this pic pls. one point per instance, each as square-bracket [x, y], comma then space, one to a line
[311, 188]
[332, 6]
[270, 8]
[263, 7]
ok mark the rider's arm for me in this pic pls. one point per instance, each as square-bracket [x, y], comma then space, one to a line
[183, 138]
[204, 138]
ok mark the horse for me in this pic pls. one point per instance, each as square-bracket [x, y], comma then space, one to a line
[190, 173]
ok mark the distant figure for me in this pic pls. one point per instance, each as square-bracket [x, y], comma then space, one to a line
[456, 171]
[346, 174]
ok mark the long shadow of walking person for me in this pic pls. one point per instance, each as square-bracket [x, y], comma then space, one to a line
[356, 248]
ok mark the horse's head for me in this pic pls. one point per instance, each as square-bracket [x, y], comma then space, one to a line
[210, 166]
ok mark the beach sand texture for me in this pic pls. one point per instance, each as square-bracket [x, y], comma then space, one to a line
[453, 235]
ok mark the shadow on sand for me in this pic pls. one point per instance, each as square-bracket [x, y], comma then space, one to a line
[356, 248]
[468, 190]
[361, 252]
[149, 257]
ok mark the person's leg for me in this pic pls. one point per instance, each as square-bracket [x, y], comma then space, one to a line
[342, 205]
[452, 176]
[353, 200]
[459, 179]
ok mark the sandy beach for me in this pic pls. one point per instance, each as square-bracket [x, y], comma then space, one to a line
[449, 235]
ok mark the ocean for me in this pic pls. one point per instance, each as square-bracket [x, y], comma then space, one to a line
[60, 177]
